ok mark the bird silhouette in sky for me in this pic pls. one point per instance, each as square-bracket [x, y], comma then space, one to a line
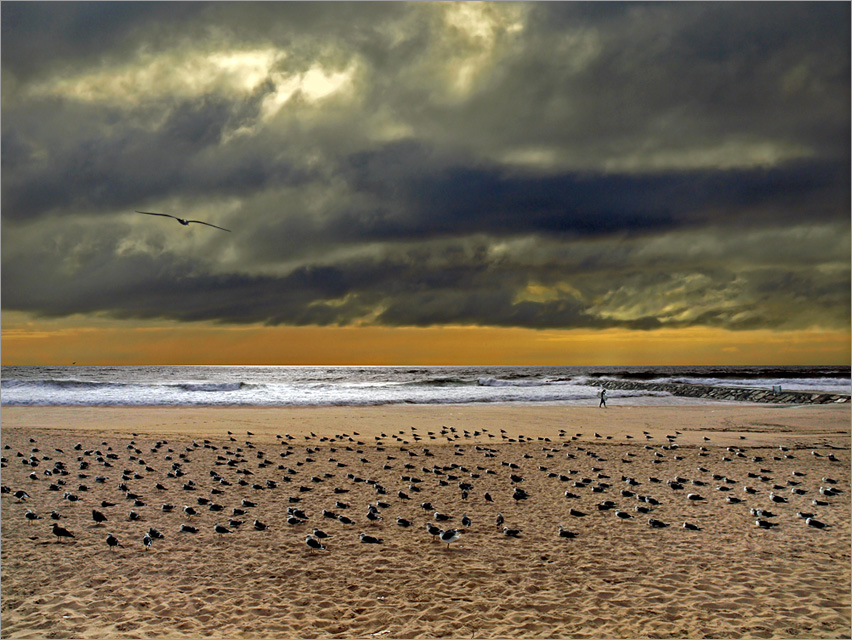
[181, 220]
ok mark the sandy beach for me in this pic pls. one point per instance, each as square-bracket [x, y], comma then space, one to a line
[617, 578]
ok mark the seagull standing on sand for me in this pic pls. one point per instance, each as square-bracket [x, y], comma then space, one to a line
[181, 220]
[449, 536]
[313, 543]
[433, 530]
[761, 513]
[61, 532]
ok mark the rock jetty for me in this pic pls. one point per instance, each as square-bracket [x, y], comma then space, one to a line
[742, 394]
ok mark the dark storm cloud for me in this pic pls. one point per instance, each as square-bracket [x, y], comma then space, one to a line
[777, 68]
[38, 37]
[542, 165]
[412, 204]
[131, 165]
[465, 294]
[443, 284]
[459, 200]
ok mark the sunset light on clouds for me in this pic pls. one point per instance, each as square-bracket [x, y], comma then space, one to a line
[428, 182]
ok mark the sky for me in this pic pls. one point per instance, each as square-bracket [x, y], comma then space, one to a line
[426, 183]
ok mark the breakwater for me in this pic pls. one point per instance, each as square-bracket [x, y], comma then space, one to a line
[742, 394]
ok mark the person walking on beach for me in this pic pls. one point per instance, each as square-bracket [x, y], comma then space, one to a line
[603, 398]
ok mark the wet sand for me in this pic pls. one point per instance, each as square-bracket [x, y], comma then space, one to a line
[617, 578]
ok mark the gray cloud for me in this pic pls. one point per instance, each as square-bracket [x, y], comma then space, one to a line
[615, 283]
[510, 164]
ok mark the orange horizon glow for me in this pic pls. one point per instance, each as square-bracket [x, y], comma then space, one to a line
[97, 342]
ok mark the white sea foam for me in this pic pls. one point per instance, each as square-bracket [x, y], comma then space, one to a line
[319, 386]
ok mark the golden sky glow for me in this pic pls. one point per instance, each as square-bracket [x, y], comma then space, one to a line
[61, 342]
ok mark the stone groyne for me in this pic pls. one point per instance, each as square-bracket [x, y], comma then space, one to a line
[742, 394]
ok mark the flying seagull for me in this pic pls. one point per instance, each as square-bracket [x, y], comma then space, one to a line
[181, 220]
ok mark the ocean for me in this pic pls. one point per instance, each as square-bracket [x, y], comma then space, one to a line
[264, 386]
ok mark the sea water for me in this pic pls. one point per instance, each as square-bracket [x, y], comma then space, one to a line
[365, 385]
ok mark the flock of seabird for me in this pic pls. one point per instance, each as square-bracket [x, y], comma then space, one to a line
[485, 470]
